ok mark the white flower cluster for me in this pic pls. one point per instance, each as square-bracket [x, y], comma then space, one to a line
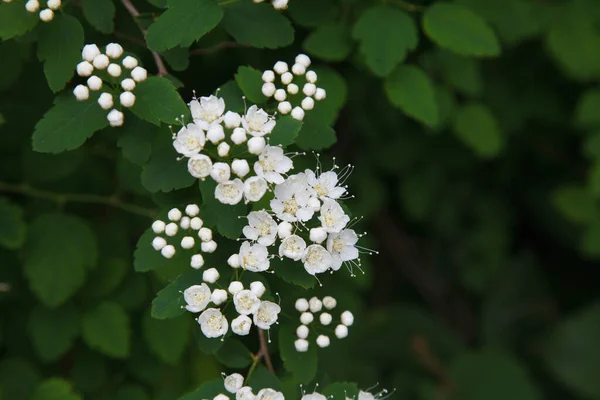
[309, 222]
[290, 93]
[190, 225]
[108, 70]
[234, 384]
[308, 308]
[246, 302]
[47, 13]
[277, 4]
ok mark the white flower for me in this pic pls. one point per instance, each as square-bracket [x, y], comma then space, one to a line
[268, 76]
[168, 251]
[196, 223]
[301, 305]
[309, 89]
[246, 302]
[329, 302]
[230, 192]
[197, 297]
[158, 226]
[286, 79]
[298, 69]
[302, 331]
[313, 396]
[232, 119]
[317, 259]
[306, 318]
[241, 325]
[234, 261]
[347, 318]
[235, 287]
[320, 94]
[254, 258]
[301, 345]
[114, 50]
[311, 76]
[101, 61]
[187, 242]
[32, 6]
[272, 163]
[291, 200]
[341, 246]
[258, 288]
[284, 229]
[211, 275]
[200, 166]
[128, 84]
[114, 70]
[292, 247]
[189, 140]
[257, 122]
[268, 89]
[94, 83]
[284, 107]
[115, 118]
[174, 214]
[207, 111]
[323, 341]
[234, 382]
[54, 4]
[255, 188]
[223, 149]
[266, 315]
[298, 113]
[130, 62]
[192, 210]
[292, 89]
[333, 218]
[205, 234]
[238, 136]
[171, 229]
[315, 305]
[269, 394]
[221, 172]
[221, 396]
[280, 94]
[318, 235]
[84, 69]
[212, 323]
[280, 4]
[245, 393]
[325, 318]
[197, 261]
[307, 103]
[280, 67]
[256, 145]
[325, 186]
[185, 223]
[127, 99]
[105, 100]
[261, 228]
[81, 92]
[341, 331]
[215, 133]
[89, 52]
[158, 243]
[218, 296]
[208, 247]
[240, 167]
[139, 74]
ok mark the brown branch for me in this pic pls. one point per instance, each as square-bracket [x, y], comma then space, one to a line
[422, 350]
[214, 49]
[263, 352]
[160, 65]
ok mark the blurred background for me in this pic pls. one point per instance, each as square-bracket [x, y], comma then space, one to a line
[486, 218]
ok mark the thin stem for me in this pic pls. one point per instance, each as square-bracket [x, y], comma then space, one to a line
[263, 353]
[214, 49]
[160, 65]
[63, 198]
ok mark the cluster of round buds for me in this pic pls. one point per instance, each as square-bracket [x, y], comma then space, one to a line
[190, 225]
[362, 395]
[120, 74]
[291, 91]
[308, 309]
[277, 4]
[46, 13]
[234, 384]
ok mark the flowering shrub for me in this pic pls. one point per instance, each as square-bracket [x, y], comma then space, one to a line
[298, 199]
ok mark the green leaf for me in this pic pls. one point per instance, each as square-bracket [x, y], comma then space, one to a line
[330, 42]
[572, 354]
[232, 94]
[100, 13]
[234, 354]
[385, 35]
[250, 81]
[89, 372]
[258, 25]
[169, 301]
[491, 375]
[225, 218]
[575, 203]
[167, 339]
[587, 113]
[313, 13]
[18, 378]
[285, 131]
[341, 390]
[263, 378]
[178, 58]
[206, 345]
[315, 134]
[15, 20]
[59, 48]
[459, 29]
[12, 228]
[293, 272]
[131, 392]
[460, 72]
[58, 251]
[55, 389]
[68, 124]
[477, 127]
[53, 331]
[327, 110]
[410, 89]
[157, 101]
[184, 22]
[207, 390]
[163, 172]
[303, 366]
[135, 140]
[106, 329]
[107, 277]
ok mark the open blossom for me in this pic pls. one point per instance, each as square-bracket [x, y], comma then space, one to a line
[255, 188]
[333, 217]
[272, 163]
[190, 140]
[200, 166]
[246, 302]
[257, 122]
[230, 192]
[197, 297]
[269, 394]
[255, 257]
[317, 259]
[291, 202]
[207, 111]
[261, 228]
[266, 315]
[325, 185]
[292, 247]
[241, 325]
[212, 323]
[341, 246]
